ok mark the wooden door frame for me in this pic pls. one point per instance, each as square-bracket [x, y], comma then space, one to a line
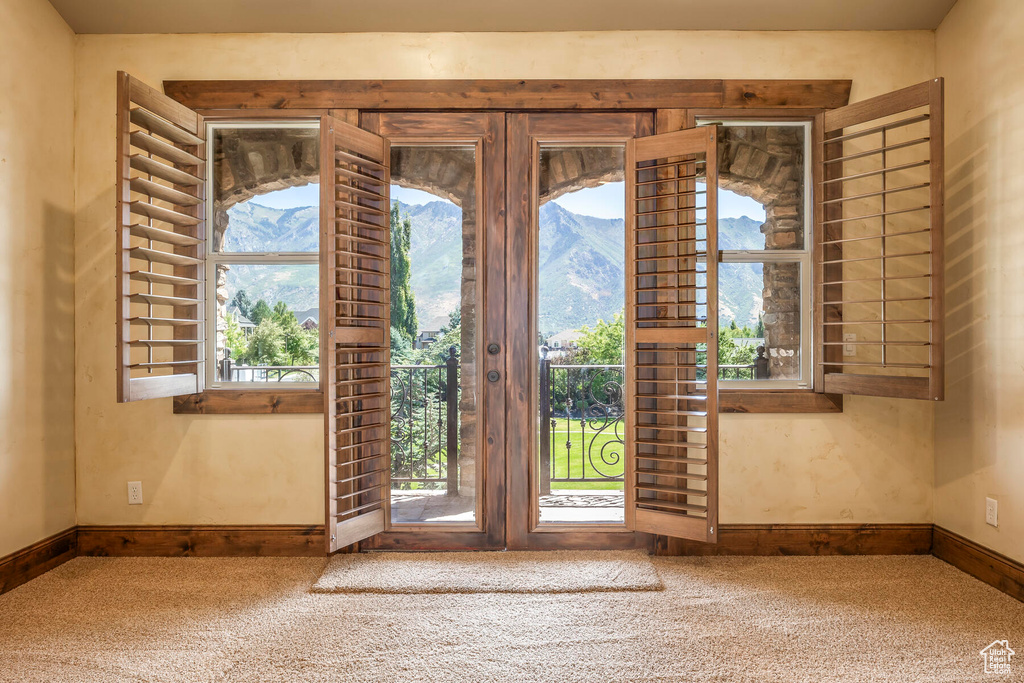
[486, 132]
[526, 132]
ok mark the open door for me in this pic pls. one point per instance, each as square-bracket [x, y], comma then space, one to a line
[355, 224]
[671, 335]
[161, 244]
[879, 244]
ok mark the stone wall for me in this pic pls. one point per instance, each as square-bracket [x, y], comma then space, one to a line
[766, 163]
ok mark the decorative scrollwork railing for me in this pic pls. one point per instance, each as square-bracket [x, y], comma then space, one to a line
[425, 425]
[581, 423]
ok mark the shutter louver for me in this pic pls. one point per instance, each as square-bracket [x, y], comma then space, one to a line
[671, 335]
[879, 246]
[355, 185]
[161, 233]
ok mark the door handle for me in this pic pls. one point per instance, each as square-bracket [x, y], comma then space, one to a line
[493, 376]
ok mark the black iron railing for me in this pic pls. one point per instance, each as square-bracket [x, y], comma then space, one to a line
[581, 423]
[425, 425]
[424, 416]
[581, 420]
[231, 372]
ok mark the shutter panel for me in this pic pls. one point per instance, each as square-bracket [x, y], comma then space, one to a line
[671, 335]
[161, 233]
[355, 218]
[879, 244]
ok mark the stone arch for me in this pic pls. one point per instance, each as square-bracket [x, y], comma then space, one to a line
[766, 163]
[250, 162]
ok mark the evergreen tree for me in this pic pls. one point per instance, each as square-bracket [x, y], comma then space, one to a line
[242, 302]
[403, 305]
[759, 328]
[260, 312]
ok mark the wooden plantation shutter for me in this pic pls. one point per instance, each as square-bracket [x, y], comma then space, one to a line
[671, 335]
[355, 218]
[879, 244]
[161, 232]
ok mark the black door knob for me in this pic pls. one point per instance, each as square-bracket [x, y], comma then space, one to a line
[493, 349]
[493, 376]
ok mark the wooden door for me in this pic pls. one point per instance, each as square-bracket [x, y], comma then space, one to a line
[457, 160]
[530, 174]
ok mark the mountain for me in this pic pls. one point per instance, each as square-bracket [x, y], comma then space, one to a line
[580, 271]
[740, 285]
[435, 259]
[581, 278]
[253, 227]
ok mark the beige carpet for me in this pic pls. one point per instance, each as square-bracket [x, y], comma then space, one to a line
[791, 619]
[563, 571]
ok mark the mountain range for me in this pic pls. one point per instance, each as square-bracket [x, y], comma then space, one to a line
[580, 277]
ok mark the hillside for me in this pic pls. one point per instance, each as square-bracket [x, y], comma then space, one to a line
[581, 276]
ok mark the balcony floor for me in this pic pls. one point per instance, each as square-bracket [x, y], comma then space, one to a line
[562, 506]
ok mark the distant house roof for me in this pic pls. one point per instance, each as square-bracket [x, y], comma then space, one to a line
[564, 338]
[243, 321]
[310, 323]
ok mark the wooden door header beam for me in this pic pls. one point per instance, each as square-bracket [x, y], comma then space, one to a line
[633, 94]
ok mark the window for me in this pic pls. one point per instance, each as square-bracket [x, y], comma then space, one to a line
[765, 288]
[262, 261]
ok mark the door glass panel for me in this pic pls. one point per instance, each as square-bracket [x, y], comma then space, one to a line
[580, 285]
[434, 455]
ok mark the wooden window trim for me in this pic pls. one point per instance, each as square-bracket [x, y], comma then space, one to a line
[251, 402]
[550, 94]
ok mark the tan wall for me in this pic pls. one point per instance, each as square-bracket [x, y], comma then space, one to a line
[979, 436]
[872, 464]
[37, 269]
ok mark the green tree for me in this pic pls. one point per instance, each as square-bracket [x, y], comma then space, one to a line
[729, 351]
[234, 338]
[260, 312]
[282, 313]
[401, 348]
[243, 303]
[266, 344]
[603, 344]
[403, 304]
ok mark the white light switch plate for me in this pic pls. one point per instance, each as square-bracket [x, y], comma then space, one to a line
[135, 493]
[849, 349]
[992, 511]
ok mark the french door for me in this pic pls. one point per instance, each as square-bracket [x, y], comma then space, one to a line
[566, 272]
[481, 248]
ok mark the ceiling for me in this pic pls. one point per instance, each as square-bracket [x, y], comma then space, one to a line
[340, 16]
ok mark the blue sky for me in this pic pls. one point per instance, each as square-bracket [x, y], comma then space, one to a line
[291, 198]
[606, 201]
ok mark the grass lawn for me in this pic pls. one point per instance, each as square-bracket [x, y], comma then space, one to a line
[572, 462]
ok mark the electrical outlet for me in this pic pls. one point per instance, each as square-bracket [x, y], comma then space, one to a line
[849, 349]
[992, 511]
[135, 493]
